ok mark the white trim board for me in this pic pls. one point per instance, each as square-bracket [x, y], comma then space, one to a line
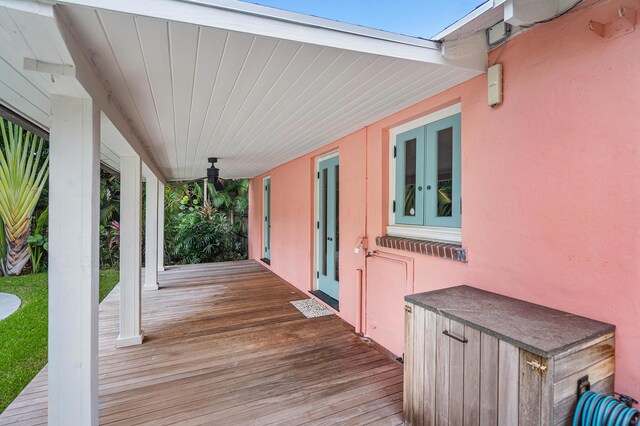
[431, 233]
[264, 209]
[474, 14]
[316, 213]
[270, 22]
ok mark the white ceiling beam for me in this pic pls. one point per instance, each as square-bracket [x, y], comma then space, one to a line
[525, 12]
[265, 21]
[528, 12]
[89, 78]
[64, 70]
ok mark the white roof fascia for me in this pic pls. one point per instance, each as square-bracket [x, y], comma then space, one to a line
[477, 12]
[249, 18]
[313, 21]
[42, 8]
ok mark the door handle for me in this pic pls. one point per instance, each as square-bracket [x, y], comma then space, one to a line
[453, 336]
[329, 238]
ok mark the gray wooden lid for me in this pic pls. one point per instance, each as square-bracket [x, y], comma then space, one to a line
[535, 328]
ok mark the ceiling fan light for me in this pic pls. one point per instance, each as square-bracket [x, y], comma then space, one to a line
[213, 173]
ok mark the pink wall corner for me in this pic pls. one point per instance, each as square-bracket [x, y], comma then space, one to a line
[352, 219]
[549, 182]
[292, 217]
[291, 221]
[549, 187]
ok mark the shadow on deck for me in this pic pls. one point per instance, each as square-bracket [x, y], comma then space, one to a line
[223, 345]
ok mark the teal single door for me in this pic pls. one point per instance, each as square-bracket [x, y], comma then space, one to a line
[328, 239]
[267, 219]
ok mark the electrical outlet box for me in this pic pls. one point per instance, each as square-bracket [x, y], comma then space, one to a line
[494, 89]
[498, 34]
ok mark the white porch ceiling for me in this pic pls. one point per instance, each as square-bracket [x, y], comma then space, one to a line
[193, 92]
[31, 32]
[190, 86]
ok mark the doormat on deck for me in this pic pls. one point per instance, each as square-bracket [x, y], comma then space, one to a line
[311, 308]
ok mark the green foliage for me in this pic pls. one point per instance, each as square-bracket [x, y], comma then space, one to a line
[204, 227]
[110, 245]
[444, 198]
[109, 217]
[109, 198]
[409, 199]
[199, 226]
[445, 189]
[23, 342]
[200, 238]
[38, 242]
[3, 243]
[24, 170]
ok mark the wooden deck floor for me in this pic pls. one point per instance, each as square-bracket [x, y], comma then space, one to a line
[224, 346]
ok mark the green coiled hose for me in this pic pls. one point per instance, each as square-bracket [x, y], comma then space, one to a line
[595, 409]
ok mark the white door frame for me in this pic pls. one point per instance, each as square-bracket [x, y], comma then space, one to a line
[316, 214]
[264, 210]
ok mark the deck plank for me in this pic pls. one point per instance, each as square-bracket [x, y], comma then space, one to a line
[223, 345]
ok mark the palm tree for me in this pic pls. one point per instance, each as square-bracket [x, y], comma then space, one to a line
[109, 198]
[23, 173]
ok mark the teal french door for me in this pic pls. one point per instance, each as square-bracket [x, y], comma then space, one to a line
[428, 175]
[267, 219]
[328, 237]
[410, 176]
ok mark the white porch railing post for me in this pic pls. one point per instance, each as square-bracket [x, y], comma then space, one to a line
[160, 226]
[130, 251]
[74, 206]
[151, 234]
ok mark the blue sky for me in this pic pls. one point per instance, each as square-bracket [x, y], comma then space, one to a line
[421, 18]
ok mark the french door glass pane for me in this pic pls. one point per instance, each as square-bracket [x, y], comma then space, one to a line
[410, 178]
[337, 238]
[445, 171]
[325, 197]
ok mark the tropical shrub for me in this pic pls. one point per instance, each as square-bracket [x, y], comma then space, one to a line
[109, 198]
[110, 245]
[204, 226]
[109, 217]
[203, 238]
[24, 170]
[445, 189]
[39, 243]
[196, 231]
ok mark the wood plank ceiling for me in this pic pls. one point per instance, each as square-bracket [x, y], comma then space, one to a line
[28, 93]
[192, 92]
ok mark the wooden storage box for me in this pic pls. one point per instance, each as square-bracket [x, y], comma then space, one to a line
[478, 358]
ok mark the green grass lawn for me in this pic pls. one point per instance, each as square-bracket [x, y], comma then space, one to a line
[23, 335]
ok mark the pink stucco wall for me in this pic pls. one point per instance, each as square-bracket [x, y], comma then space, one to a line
[550, 187]
[292, 189]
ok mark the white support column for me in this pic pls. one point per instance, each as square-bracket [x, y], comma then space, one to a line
[160, 226]
[130, 251]
[73, 261]
[151, 234]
